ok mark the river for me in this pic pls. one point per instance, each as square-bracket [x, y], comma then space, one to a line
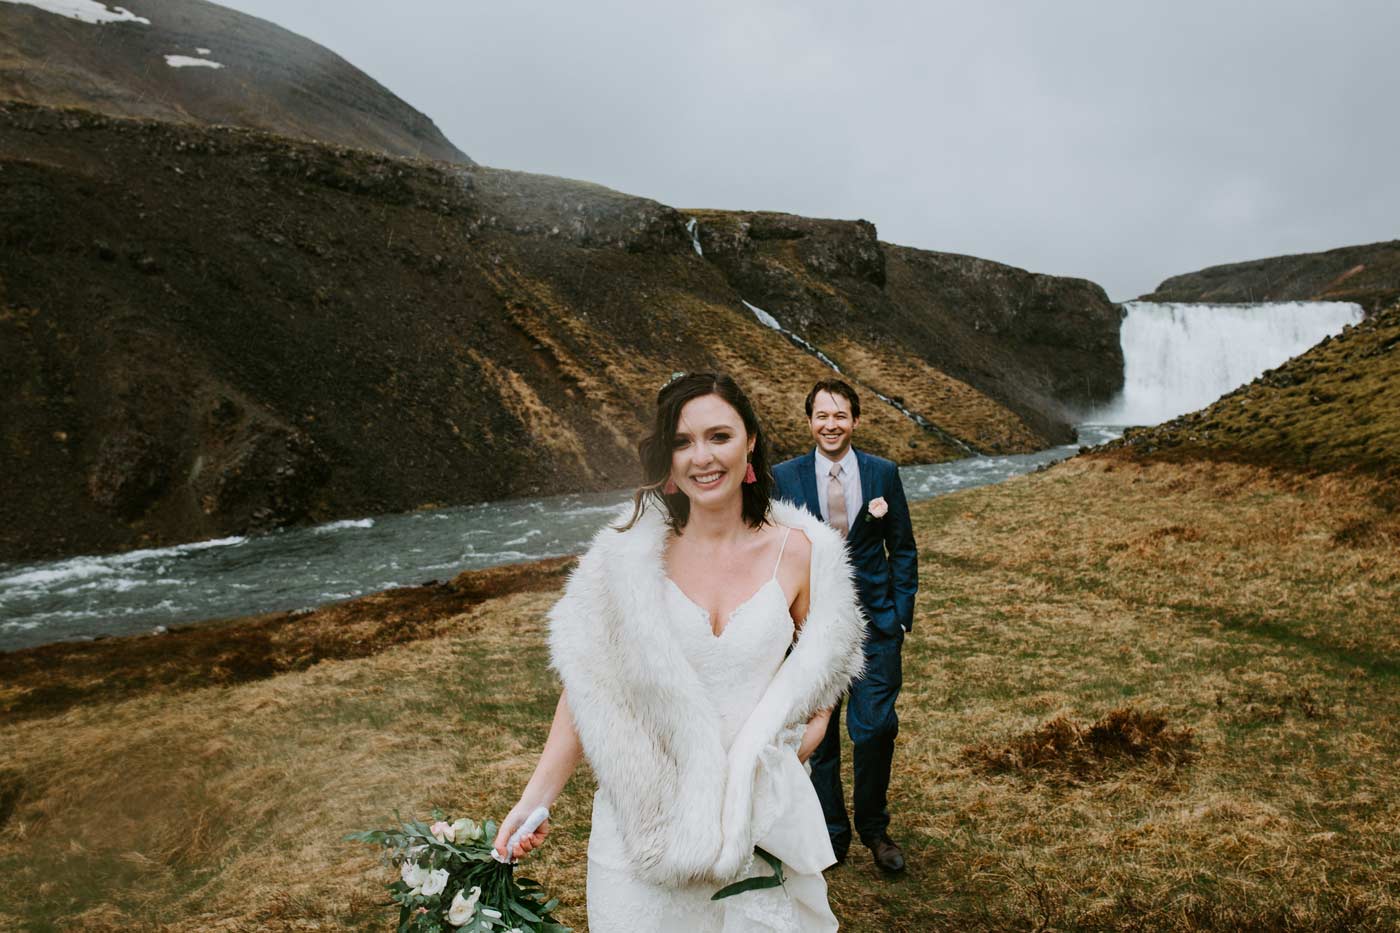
[83, 598]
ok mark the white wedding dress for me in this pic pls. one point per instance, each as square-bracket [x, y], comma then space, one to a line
[735, 668]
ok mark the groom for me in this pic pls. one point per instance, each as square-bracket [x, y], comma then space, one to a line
[860, 496]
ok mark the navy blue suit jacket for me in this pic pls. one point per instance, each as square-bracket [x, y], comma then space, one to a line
[882, 550]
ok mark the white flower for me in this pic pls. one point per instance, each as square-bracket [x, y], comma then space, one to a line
[878, 507]
[462, 908]
[443, 832]
[466, 830]
[436, 881]
[489, 912]
[413, 874]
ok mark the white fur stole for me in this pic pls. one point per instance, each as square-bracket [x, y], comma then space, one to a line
[650, 733]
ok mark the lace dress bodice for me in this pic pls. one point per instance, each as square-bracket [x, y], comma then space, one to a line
[736, 665]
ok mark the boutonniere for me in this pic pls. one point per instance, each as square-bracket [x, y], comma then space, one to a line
[876, 509]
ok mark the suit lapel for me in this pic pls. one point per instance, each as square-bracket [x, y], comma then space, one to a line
[807, 473]
[867, 486]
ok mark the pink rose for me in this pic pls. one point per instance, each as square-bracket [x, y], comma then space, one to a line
[878, 507]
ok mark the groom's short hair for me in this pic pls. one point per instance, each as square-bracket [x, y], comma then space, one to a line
[835, 387]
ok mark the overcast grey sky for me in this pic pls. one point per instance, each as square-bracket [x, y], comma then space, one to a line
[1123, 142]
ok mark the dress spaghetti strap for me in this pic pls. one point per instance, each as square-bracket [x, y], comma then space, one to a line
[782, 547]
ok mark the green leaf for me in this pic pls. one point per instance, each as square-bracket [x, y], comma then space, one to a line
[523, 912]
[748, 884]
[773, 861]
[759, 883]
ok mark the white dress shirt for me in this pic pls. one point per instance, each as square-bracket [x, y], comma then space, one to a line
[850, 483]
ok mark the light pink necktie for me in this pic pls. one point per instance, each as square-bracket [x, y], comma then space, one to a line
[836, 501]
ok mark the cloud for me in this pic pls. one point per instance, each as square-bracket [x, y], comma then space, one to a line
[1119, 142]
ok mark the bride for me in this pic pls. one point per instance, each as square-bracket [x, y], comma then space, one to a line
[701, 644]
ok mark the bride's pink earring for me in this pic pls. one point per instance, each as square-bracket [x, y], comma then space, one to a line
[670, 488]
[749, 475]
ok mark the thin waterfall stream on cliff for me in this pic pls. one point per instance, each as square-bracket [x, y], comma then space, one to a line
[130, 593]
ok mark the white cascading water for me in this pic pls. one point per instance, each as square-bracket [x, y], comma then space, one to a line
[1182, 357]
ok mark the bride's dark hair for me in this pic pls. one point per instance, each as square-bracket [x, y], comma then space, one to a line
[655, 451]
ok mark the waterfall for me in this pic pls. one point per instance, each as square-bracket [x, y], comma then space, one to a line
[693, 228]
[1182, 357]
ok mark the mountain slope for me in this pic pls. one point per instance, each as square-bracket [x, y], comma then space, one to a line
[1368, 275]
[229, 68]
[209, 330]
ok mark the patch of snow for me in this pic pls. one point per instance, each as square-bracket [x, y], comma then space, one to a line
[184, 61]
[88, 11]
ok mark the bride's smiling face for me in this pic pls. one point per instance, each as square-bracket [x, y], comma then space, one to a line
[710, 451]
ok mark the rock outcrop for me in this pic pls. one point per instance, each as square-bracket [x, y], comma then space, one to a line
[1367, 275]
[197, 62]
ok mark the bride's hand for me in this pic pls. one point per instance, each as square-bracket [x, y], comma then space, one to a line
[525, 844]
[813, 735]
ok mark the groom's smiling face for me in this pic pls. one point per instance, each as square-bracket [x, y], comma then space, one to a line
[832, 424]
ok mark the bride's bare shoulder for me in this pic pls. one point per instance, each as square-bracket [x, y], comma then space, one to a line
[797, 553]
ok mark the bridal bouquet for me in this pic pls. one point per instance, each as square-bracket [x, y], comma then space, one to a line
[449, 881]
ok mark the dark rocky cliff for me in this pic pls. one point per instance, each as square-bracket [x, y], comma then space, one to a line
[923, 326]
[1368, 275]
[270, 79]
[211, 330]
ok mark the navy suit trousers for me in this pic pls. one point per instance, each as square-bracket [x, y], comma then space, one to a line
[873, 724]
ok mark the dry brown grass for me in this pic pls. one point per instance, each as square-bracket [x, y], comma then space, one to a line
[1062, 747]
[1217, 598]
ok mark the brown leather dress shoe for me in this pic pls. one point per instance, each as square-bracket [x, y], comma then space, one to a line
[888, 856]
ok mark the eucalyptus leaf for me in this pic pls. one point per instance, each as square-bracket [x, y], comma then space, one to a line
[748, 884]
[524, 912]
[757, 883]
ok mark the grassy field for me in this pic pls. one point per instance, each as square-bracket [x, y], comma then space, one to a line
[1137, 696]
